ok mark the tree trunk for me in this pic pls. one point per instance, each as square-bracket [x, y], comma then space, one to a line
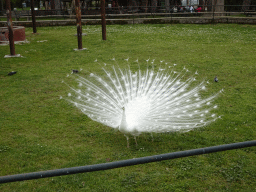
[1, 7]
[154, 5]
[167, 6]
[144, 4]
[246, 5]
[219, 5]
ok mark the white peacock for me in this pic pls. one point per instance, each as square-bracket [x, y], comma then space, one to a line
[154, 100]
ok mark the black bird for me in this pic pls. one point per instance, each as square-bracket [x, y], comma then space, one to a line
[216, 79]
[12, 73]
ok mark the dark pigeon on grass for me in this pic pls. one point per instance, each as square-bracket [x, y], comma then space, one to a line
[75, 70]
[216, 79]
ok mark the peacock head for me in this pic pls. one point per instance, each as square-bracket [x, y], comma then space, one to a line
[123, 110]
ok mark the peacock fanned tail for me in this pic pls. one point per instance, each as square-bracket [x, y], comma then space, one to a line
[154, 100]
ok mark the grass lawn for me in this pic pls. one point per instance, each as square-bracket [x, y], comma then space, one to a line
[41, 132]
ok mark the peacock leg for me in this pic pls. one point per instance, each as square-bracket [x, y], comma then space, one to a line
[127, 141]
[135, 141]
[152, 137]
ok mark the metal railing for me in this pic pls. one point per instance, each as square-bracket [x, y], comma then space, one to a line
[124, 163]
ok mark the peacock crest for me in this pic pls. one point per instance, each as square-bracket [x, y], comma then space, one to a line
[156, 99]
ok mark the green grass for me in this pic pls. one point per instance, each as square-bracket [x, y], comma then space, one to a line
[41, 132]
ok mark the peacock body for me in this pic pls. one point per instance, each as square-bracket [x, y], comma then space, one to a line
[154, 100]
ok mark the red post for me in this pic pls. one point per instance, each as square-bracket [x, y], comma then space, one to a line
[78, 24]
[9, 23]
[33, 16]
[103, 20]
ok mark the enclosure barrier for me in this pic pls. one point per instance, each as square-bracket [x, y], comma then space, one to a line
[124, 163]
[173, 14]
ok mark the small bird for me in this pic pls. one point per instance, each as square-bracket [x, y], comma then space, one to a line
[12, 73]
[154, 100]
[75, 71]
[216, 79]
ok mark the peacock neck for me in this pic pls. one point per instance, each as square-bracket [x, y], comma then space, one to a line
[123, 124]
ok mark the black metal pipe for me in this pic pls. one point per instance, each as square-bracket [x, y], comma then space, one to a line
[123, 163]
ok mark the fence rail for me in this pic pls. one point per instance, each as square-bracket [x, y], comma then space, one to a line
[28, 16]
[132, 12]
[124, 163]
[137, 9]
